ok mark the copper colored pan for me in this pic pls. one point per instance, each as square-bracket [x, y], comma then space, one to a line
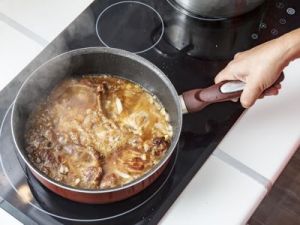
[129, 66]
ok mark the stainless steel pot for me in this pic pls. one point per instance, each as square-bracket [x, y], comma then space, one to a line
[210, 40]
[219, 8]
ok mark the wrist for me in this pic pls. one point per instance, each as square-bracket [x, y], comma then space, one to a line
[290, 45]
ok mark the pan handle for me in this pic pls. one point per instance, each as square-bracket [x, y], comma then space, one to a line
[196, 99]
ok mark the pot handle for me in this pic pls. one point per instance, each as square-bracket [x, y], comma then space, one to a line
[196, 99]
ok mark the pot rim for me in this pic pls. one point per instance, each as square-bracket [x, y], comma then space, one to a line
[118, 52]
[196, 12]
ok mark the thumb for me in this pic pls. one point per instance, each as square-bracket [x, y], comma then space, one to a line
[250, 94]
[228, 73]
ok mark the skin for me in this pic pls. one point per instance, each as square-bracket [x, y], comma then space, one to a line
[261, 66]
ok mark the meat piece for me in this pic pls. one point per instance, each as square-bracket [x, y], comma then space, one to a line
[74, 137]
[109, 181]
[63, 169]
[160, 145]
[103, 92]
[97, 132]
[49, 135]
[45, 170]
[136, 164]
[119, 106]
[91, 176]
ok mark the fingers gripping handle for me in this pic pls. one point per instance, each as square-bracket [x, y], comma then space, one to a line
[221, 92]
[197, 99]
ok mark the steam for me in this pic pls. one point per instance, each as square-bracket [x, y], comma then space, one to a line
[49, 68]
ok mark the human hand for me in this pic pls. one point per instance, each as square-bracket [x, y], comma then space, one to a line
[259, 68]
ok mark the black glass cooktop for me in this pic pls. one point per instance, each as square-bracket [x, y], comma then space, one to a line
[190, 50]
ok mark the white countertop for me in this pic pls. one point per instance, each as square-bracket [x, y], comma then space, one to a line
[233, 181]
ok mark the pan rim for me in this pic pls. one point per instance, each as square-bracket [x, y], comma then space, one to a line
[118, 52]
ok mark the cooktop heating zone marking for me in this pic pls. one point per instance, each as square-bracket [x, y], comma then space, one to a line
[99, 31]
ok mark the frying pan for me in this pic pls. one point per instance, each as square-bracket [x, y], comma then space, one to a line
[97, 60]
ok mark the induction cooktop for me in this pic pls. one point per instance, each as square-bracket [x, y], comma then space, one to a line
[190, 50]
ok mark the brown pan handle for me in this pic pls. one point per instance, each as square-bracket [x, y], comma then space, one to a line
[196, 99]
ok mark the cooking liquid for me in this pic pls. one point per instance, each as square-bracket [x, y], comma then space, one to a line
[97, 132]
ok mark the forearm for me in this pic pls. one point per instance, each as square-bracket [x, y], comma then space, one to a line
[261, 66]
[290, 43]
